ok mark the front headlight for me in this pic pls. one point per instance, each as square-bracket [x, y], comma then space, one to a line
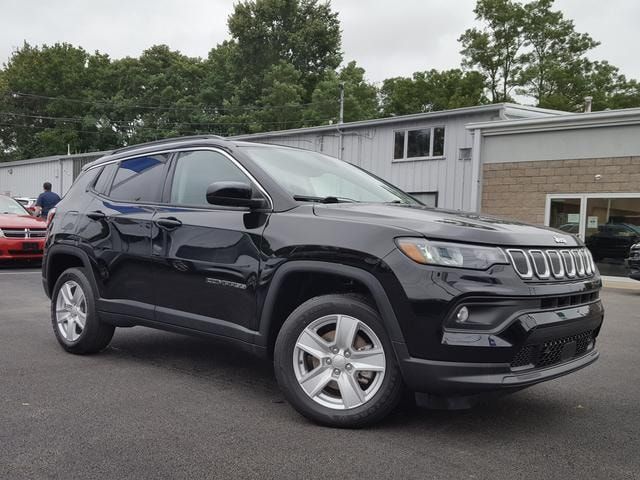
[1, 233]
[429, 252]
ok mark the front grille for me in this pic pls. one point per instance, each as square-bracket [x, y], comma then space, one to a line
[25, 233]
[569, 300]
[554, 351]
[554, 264]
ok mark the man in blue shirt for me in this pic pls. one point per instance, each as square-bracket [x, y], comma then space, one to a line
[47, 200]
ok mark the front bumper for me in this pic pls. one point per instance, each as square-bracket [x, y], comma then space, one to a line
[539, 346]
[21, 248]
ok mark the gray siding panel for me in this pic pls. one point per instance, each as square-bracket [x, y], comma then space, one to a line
[596, 142]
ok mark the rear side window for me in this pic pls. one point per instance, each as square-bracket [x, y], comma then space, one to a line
[139, 179]
[195, 171]
[101, 185]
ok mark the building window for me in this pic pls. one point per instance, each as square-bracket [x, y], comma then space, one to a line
[430, 199]
[418, 143]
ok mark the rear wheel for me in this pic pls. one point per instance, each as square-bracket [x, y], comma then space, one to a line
[74, 317]
[335, 363]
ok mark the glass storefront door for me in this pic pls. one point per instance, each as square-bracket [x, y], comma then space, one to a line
[612, 226]
[609, 225]
[564, 214]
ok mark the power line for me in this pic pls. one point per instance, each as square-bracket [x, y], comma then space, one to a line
[204, 107]
[131, 123]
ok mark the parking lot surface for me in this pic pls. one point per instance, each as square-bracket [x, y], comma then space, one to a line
[160, 405]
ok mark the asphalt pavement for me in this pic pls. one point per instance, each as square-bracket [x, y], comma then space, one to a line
[161, 405]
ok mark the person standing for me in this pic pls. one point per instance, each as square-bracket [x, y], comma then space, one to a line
[46, 200]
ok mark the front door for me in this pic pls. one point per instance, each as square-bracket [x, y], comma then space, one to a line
[207, 257]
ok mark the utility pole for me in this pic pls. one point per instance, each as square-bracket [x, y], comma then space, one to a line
[341, 118]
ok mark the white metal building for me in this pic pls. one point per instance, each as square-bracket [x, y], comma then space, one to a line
[24, 178]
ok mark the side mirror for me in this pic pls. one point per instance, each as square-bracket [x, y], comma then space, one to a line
[233, 194]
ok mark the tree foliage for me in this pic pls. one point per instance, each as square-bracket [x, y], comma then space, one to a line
[432, 90]
[282, 68]
[533, 51]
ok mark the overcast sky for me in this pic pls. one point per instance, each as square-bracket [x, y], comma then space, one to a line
[387, 37]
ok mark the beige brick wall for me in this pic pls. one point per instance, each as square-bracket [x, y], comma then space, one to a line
[519, 190]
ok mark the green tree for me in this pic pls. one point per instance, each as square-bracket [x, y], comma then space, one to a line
[49, 76]
[360, 97]
[432, 90]
[281, 99]
[555, 52]
[303, 33]
[495, 49]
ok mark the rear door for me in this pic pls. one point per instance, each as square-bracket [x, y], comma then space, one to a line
[116, 226]
[207, 257]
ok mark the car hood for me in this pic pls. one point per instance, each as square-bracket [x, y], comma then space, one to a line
[449, 225]
[12, 221]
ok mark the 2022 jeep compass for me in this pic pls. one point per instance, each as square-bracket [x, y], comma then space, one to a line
[355, 289]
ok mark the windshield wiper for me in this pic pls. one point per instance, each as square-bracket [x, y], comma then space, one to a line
[329, 199]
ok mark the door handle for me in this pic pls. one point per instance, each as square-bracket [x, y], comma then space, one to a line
[169, 223]
[96, 215]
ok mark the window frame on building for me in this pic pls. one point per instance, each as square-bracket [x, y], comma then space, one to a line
[434, 193]
[405, 150]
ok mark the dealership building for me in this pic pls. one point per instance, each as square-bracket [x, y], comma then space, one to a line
[579, 172]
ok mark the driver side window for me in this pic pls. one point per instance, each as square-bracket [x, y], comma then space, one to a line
[196, 170]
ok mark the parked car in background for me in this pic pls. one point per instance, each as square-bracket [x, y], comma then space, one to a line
[634, 262]
[613, 240]
[29, 203]
[354, 288]
[21, 235]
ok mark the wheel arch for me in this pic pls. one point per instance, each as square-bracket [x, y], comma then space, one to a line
[62, 257]
[270, 323]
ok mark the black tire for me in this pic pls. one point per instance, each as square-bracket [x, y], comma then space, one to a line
[375, 408]
[96, 335]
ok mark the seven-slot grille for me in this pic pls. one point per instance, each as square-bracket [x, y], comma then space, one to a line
[25, 233]
[552, 264]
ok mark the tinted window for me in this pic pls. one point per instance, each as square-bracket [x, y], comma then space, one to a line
[101, 185]
[195, 171]
[139, 179]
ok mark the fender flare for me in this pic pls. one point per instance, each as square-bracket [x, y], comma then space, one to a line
[378, 293]
[55, 250]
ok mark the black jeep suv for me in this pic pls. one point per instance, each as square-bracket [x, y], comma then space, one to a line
[352, 287]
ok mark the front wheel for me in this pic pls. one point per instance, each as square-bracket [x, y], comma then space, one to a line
[335, 363]
[74, 317]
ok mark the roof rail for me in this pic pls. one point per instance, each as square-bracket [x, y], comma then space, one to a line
[168, 140]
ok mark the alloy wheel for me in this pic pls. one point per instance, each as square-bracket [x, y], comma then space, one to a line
[339, 362]
[71, 311]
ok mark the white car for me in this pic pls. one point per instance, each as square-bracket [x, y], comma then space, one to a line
[27, 202]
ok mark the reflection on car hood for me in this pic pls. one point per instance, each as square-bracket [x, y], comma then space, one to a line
[449, 225]
[9, 221]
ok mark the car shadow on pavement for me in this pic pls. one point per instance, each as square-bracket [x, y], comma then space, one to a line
[219, 362]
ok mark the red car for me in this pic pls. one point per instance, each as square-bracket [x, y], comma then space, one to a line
[21, 235]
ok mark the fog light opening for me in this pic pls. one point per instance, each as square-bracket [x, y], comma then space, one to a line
[462, 315]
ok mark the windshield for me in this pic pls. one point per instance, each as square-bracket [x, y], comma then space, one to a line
[312, 176]
[9, 205]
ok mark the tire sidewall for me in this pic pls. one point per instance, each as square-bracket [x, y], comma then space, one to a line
[91, 323]
[378, 406]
